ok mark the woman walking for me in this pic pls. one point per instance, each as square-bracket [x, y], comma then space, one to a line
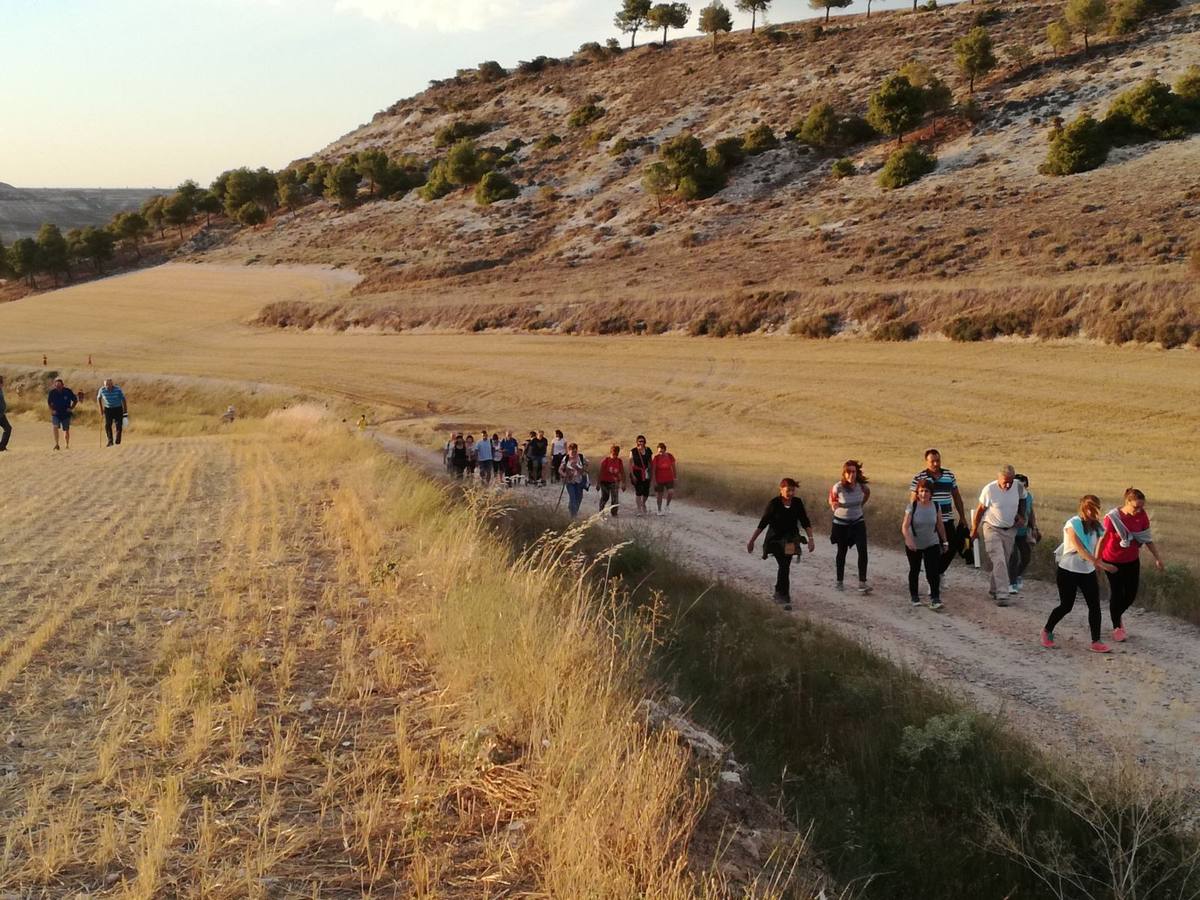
[472, 456]
[1077, 564]
[573, 471]
[640, 458]
[458, 456]
[847, 499]
[783, 518]
[1126, 531]
[558, 450]
[924, 542]
[612, 479]
[665, 472]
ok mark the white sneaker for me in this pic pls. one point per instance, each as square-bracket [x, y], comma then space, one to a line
[1012, 590]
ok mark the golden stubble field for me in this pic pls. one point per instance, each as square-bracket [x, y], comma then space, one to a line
[1076, 417]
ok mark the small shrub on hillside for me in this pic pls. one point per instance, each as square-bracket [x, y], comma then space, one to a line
[585, 115]
[929, 6]
[491, 71]
[1058, 36]
[1020, 55]
[1148, 111]
[896, 330]
[1080, 147]
[438, 184]
[494, 187]
[773, 34]
[817, 326]
[1188, 87]
[685, 168]
[612, 45]
[463, 163]
[592, 51]
[843, 168]
[550, 140]
[906, 165]
[507, 161]
[547, 194]
[759, 139]
[537, 65]
[729, 152]
[820, 127]
[896, 106]
[1126, 15]
[598, 137]
[456, 131]
[621, 145]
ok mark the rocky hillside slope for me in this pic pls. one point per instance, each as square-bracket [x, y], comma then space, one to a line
[584, 247]
[24, 210]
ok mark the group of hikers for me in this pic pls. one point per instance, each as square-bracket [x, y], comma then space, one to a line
[935, 524]
[62, 401]
[1004, 516]
[506, 460]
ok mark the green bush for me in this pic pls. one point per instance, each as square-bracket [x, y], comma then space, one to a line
[906, 165]
[1124, 16]
[943, 739]
[896, 330]
[759, 139]
[819, 325]
[727, 152]
[491, 71]
[1080, 147]
[621, 145]
[843, 168]
[456, 131]
[1188, 87]
[820, 127]
[1148, 111]
[550, 140]
[585, 115]
[963, 329]
[463, 163]
[493, 187]
[438, 184]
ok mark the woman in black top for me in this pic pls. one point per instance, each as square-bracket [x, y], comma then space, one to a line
[639, 472]
[783, 518]
[458, 456]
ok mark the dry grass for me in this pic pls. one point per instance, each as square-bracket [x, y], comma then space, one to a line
[276, 666]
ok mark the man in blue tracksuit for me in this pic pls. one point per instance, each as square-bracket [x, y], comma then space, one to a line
[111, 400]
[61, 400]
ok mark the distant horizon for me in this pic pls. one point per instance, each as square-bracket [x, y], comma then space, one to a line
[277, 91]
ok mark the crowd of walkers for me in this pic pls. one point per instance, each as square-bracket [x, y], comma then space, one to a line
[62, 402]
[505, 460]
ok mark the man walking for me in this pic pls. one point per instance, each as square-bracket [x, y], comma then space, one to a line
[61, 400]
[5, 427]
[945, 497]
[1002, 511]
[483, 453]
[111, 400]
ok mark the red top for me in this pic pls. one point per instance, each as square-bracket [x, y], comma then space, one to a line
[1110, 545]
[664, 467]
[611, 470]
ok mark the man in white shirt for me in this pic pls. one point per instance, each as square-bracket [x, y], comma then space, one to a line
[1001, 510]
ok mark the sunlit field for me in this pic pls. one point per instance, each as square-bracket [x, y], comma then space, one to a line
[739, 412]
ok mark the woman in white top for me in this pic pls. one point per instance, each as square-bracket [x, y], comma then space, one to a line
[558, 451]
[1077, 564]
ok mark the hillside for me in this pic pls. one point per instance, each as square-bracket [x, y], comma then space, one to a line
[24, 210]
[584, 247]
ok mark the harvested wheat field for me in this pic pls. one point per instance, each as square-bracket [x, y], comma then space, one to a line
[226, 671]
[1077, 417]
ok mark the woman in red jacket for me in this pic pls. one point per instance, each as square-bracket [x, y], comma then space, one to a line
[665, 472]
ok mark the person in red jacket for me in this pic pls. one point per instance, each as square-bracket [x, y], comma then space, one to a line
[1126, 532]
[665, 473]
[612, 479]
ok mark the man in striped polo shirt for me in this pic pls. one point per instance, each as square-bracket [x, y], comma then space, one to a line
[945, 496]
[111, 400]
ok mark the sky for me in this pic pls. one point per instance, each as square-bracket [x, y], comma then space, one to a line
[147, 93]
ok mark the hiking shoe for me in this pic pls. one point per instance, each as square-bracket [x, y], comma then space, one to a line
[916, 601]
[1119, 634]
[935, 604]
[864, 588]
[1014, 588]
[56, 446]
[787, 607]
[1098, 647]
[839, 587]
[1048, 640]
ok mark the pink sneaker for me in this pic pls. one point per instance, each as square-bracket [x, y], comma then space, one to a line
[1119, 635]
[1048, 640]
[1098, 647]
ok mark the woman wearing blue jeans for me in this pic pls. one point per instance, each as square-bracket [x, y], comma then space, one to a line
[573, 472]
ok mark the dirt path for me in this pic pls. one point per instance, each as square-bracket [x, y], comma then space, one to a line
[1143, 699]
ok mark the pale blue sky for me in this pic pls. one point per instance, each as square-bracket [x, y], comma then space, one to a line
[134, 93]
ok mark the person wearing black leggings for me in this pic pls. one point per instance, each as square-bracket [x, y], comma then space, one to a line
[783, 518]
[1126, 531]
[846, 499]
[1077, 564]
[924, 541]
